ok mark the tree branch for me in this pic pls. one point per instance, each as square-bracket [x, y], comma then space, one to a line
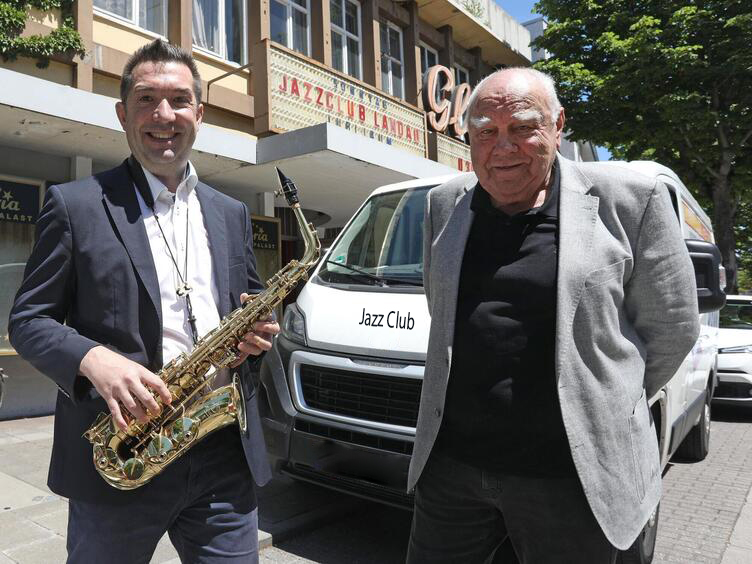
[697, 155]
[745, 138]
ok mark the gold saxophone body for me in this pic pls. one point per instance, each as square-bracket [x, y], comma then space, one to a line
[127, 459]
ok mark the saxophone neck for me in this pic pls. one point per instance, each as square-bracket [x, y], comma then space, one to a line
[310, 238]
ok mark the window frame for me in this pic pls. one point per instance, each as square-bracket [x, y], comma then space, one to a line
[390, 58]
[425, 49]
[346, 34]
[289, 6]
[223, 36]
[97, 10]
[457, 70]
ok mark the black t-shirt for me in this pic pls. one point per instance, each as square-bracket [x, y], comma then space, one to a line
[502, 409]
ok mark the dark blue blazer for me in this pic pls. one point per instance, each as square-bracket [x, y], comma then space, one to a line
[91, 280]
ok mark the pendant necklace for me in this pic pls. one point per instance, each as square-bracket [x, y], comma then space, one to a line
[184, 289]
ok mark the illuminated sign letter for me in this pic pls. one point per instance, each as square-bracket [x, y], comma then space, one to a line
[437, 98]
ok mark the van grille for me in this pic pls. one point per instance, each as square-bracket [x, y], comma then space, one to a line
[372, 397]
[736, 390]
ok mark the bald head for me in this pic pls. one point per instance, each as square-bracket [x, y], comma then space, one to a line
[515, 124]
[519, 80]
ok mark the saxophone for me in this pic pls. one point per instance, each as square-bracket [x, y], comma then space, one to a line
[130, 458]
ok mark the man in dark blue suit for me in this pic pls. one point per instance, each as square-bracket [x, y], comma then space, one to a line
[103, 307]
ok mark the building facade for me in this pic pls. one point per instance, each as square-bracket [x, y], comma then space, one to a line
[331, 91]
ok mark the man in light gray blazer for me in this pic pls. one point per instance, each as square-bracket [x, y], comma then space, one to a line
[561, 297]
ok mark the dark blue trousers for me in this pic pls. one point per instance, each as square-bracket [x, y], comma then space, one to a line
[205, 500]
[469, 516]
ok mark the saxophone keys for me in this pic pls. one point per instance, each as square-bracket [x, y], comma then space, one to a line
[99, 458]
[133, 468]
[105, 458]
[175, 392]
[182, 429]
[159, 447]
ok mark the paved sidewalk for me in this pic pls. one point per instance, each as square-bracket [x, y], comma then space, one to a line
[706, 509]
[706, 512]
[33, 520]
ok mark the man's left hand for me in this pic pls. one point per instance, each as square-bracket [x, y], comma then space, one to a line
[258, 339]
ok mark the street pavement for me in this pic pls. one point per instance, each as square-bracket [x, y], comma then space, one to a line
[705, 517]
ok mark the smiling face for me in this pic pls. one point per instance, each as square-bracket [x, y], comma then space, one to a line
[513, 140]
[161, 117]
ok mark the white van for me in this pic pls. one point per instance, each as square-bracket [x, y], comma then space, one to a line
[341, 386]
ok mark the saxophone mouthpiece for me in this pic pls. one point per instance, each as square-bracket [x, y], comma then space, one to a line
[287, 189]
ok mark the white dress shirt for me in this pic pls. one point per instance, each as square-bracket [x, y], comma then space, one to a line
[173, 211]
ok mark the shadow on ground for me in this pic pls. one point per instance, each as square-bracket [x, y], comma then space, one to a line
[370, 534]
[732, 413]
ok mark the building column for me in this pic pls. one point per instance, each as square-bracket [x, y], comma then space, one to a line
[180, 23]
[80, 167]
[413, 76]
[369, 13]
[321, 33]
[265, 204]
[446, 55]
[83, 71]
[476, 73]
[258, 23]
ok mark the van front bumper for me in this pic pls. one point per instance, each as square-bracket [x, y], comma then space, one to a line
[332, 452]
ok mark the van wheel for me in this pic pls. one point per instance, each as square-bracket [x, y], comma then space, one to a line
[696, 444]
[642, 550]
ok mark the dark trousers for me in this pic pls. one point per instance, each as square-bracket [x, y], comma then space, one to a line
[205, 500]
[466, 515]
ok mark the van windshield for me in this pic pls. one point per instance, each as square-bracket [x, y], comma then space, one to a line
[383, 245]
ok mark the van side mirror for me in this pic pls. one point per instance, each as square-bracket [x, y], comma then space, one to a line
[709, 274]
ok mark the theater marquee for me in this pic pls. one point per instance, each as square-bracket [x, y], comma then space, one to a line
[449, 151]
[304, 94]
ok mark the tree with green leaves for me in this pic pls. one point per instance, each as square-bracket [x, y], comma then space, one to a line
[663, 80]
[64, 40]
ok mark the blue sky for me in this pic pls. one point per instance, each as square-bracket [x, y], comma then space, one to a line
[522, 11]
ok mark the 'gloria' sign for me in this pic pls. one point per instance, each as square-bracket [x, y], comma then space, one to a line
[445, 103]
[265, 234]
[19, 203]
[304, 94]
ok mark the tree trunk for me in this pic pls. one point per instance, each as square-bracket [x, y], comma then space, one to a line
[724, 216]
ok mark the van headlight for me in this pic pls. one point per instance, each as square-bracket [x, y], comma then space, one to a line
[293, 325]
[741, 349]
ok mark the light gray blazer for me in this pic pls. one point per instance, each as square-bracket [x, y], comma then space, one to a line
[626, 316]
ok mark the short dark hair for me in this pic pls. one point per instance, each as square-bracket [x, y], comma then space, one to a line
[159, 51]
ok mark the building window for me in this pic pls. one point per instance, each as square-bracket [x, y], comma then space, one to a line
[146, 14]
[461, 75]
[428, 58]
[289, 24]
[391, 60]
[219, 26]
[345, 16]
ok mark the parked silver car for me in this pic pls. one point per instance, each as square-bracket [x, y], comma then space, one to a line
[735, 353]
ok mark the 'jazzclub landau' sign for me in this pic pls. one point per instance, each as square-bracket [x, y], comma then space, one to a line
[304, 94]
[19, 203]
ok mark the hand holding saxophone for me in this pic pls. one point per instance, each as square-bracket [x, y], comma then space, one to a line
[257, 340]
[123, 384]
